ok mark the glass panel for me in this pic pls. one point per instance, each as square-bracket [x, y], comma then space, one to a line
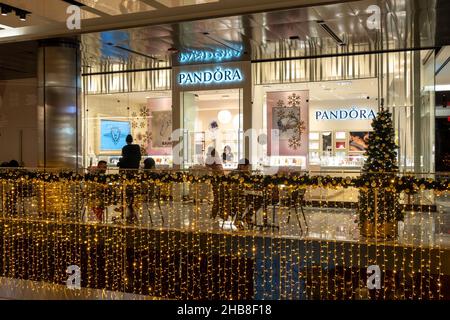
[212, 120]
[108, 118]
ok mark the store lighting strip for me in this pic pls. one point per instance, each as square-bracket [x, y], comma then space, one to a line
[328, 30]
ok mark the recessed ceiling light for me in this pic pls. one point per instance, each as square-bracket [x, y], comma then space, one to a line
[21, 14]
[5, 9]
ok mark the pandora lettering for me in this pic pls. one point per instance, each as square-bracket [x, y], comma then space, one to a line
[345, 114]
[206, 77]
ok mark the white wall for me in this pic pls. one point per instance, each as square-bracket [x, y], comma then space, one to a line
[18, 121]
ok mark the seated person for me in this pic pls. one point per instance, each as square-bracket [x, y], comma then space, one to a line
[101, 168]
[212, 160]
[149, 164]
[244, 165]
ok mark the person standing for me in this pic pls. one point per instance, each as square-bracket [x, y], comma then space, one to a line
[131, 157]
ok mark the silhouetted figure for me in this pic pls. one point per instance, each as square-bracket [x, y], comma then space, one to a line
[101, 167]
[149, 164]
[131, 155]
[14, 164]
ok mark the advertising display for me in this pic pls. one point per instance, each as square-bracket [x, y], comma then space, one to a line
[358, 141]
[113, 134]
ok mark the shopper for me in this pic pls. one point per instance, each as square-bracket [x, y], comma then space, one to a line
[131, 155]
[101, 167]
[14, 164]
[227, 156]
[149, 164]
[212, 160]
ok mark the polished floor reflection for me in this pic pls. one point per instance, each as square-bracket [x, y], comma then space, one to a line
[426, 229]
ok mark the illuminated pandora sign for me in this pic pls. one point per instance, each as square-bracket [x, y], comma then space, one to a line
[345, 114]
[217, 76]
[217, 55]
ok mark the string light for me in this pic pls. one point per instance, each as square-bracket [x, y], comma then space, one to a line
[42, 235]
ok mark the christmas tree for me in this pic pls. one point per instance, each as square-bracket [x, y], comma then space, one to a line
[378, 199]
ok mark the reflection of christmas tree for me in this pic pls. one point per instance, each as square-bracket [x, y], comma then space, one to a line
[378, 200]
[289, 119]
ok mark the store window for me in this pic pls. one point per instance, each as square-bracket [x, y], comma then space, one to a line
[332, 119]
[212, 119]
[109, 118]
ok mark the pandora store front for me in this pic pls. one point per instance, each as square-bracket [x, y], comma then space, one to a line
[312, 114]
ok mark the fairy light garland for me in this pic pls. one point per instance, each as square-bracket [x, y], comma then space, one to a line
[56, 234]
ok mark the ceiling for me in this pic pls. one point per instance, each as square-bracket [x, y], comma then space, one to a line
[47, 18]
[338, 28]
[18, 60]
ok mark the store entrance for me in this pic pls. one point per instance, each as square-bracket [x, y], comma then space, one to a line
[212, 119]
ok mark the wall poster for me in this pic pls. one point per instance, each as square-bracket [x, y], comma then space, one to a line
[358, 141]
[287, 115]
[160, 126]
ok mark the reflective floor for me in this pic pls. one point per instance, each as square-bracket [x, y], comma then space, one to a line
[339, 224]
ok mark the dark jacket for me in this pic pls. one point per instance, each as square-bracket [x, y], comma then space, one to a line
[131, 157]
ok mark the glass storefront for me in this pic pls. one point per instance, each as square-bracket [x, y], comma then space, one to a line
[311, 114]
[212, 119]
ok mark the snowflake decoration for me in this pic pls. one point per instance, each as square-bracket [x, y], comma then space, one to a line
[144, 112]
[134, 115]
[289, 119]
[142, 125]
[143, 149]
[294, 100]
[134, 124]
[147, 137]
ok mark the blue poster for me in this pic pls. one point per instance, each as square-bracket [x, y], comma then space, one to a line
[113, 134]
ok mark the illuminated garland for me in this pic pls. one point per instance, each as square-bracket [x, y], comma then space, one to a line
[406, 184]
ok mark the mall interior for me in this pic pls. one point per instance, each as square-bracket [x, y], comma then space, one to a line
[338, 111]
